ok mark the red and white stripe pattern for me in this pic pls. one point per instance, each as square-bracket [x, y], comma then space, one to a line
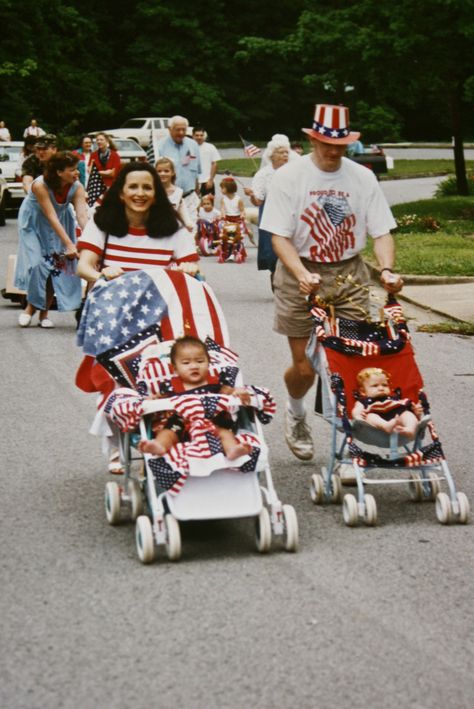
[331, 241]
[124, 407]
[331, 121]
[366, 348]
[193, 309]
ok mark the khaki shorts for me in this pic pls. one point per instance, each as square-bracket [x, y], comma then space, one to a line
[350, 300]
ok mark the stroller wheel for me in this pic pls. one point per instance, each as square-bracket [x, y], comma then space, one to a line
[263, 531]
[415, 487]
[350, 510]
[464, 508]
[370, 511]
[336, 492]
[136, 499]
[112, 502]
[434, 484]
[291, 535]
[144, 540]
[173, 538]
[316, 489]
[443, 508]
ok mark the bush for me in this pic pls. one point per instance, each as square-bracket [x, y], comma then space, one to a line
[449, 187]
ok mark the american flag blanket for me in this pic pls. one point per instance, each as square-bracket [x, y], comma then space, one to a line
[123, 316]
[201, 452]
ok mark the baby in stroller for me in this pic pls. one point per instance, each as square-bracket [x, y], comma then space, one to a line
[190, 360]
[378, 407]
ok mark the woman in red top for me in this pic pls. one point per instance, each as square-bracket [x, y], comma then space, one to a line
[106, 159]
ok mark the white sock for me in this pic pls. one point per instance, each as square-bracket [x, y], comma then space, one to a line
[296, 406]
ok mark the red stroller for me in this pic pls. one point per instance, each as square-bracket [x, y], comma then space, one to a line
[338, 350]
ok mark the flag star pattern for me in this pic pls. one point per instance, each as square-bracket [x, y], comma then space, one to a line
[95, 186]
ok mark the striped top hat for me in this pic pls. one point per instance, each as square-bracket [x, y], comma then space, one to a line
[331, 125]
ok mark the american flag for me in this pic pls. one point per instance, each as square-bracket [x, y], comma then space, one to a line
[95, 186]
[331, 226]
[250, 150]
[150, 153]
[123, 316]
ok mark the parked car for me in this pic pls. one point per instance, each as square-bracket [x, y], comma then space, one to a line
[139, 130]
[373, 158]
[11, 188]
[127, 149]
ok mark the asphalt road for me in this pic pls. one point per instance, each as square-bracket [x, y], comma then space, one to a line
[359, 617]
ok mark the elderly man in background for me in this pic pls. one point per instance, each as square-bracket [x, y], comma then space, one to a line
[209, 158]
[33, 129]
[184, 152]
[33, 166]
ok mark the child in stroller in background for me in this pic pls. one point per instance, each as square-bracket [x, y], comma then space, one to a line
[208, 226]
[190, 361]
[377, 407]
[233, 226]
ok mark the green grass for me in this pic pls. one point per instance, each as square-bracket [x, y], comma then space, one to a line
[245, 167]
[450, 328]
[423, 168]
[448, 251]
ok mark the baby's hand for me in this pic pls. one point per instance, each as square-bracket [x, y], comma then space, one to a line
[243, 395]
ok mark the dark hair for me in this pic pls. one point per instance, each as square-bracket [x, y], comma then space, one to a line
[198, 129]
[84, 137]
[187, 341]
[230, 184]
[111, 218]
[59, 161]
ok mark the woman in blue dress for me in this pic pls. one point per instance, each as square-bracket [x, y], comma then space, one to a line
[46, 262]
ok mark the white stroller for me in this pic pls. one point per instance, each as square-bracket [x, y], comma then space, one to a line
[159, 499]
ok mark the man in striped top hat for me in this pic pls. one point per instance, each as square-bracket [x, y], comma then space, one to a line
[320, 210]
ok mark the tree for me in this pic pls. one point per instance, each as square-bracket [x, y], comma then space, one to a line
[404, 59]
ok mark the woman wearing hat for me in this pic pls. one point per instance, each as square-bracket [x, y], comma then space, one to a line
[320, 210]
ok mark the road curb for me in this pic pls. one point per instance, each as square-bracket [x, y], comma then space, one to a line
[416, 280]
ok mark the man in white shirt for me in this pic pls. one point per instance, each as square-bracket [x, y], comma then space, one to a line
[33, 129]
[4, 132]
[209, 158]
[320, 209]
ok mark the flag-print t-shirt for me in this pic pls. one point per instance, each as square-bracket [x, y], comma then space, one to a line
[327, 215]
[137, 250]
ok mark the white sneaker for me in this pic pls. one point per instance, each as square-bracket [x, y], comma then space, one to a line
[24, 320]
[298, 436]
[46, 323]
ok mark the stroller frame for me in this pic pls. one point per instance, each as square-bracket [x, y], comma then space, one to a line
[424, 482]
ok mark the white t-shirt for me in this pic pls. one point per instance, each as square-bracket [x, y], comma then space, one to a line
[327, 215]
[262, 180]
[175, 197]
[231, 205]
[208, 154]
[136, 249]
[208, 216]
